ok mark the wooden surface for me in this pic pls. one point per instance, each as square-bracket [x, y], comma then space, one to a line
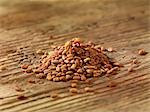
[37, 24]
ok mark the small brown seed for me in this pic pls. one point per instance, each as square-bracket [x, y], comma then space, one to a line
[29, 70]
[76, 77]
[46, 71]
[69, 72]
[87, 59]
[110, 49]
[56, 79]
[89, 67]
[66, 61]
[39, 52]
[24, 66]
[73, 66]
[68, 77]
[57, 68]
[54, 95]
[142, 52]
[49, 77]
[73, 85]
[37, 71]
[88, 89]
[90, 71]
[83, 78]
[52, 67]
[62, 78]
[135, 61]
[55, 61]
[40, 75]
[80, 71]
[73, 90]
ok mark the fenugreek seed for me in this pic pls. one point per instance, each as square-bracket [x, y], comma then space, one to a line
[39, 52]
[87, 59]
[40, 75]
[89, 67]
[110, 49]
[29, 70]
[73, 66]
[55, 61]
[69, 72]
[24, 66]
[90, 71]
[46, 71]
[57, 68]
[54, 95]
[142, 52]
[69, 65]
[72, 61]
[135, 61]
[54, 72]
[76, 77]
[52, 67]
[79, 70]
[88, 89]
[68, 77]
[66, 61]
[96, 74]
[83, 78]
[73, 90]
[56, 79]
[74, 85]
[49, 77]
[63, 57]
[62, 78]
[37, 71]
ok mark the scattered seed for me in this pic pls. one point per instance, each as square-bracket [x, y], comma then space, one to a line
[142, 52]
[73, 90]
[39, 52]
[49, 77]
[110, 49]
[24, 66]
[73, 85]
[29, 70]
[73, 66]
[40, 75]
[88, 89]
[54, 95]
[76, 77]
[55, 61]
[68, 77]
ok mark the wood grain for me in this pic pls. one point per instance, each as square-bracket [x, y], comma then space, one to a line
[32, 25]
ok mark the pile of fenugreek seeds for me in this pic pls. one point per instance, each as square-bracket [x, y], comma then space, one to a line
[75, 61]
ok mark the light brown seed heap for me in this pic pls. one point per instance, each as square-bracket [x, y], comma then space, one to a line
[74, 61]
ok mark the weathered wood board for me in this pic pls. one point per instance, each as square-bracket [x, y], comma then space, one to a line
[40, 24]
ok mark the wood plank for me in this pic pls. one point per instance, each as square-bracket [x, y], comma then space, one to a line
[122, 25]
